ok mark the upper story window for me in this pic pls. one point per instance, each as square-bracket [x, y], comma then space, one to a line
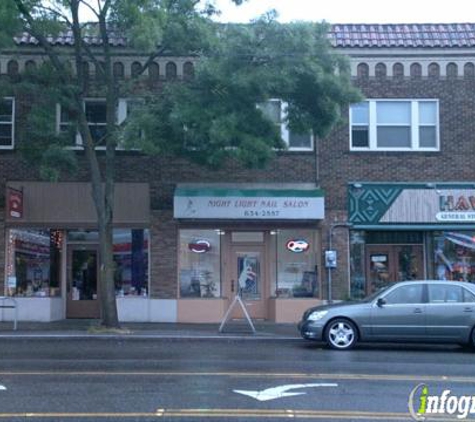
[276, 110]
[394, 125]
[7, 122]
[96, 115]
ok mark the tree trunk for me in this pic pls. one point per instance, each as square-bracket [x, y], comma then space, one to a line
[107, 292]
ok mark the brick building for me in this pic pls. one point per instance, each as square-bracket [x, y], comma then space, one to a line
[401, 171]
[391, 189]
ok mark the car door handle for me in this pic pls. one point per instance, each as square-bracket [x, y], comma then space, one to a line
[468, 310]
[418, 311]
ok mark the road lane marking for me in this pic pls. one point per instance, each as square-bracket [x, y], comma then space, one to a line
[2, 388]
[335, 376]
[224, 413]
[281, 391]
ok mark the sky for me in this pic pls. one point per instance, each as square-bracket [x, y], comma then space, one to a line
[354, 11]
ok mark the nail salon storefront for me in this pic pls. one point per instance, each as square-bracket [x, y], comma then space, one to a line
[262, 242]
[409, 232]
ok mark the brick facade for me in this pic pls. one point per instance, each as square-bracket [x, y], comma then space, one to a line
[382, 72]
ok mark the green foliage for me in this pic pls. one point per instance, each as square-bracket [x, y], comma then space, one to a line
[215, 115]
[39, 91]
[10, 22]
[177, 26]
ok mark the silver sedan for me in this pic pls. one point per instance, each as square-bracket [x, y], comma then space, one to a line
[419, 311]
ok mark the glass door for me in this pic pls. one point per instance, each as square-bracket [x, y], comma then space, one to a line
[387, 264]
[248, 278]
[83, 276]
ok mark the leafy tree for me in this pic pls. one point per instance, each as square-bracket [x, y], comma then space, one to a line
[208, 118]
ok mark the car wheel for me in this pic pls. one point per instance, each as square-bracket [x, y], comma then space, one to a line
[341, 334]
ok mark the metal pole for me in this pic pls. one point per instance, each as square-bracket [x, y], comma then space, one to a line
[330, 247]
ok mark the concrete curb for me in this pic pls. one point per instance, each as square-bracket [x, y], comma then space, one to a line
[250, 337]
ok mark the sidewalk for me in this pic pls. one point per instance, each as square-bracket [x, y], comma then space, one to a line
[90, 329]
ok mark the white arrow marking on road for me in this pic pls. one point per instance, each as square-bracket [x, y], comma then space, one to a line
[281, 391]
[2, 387]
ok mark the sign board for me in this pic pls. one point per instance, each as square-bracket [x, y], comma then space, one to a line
[432, 206]
[249, 204]
[15, 203]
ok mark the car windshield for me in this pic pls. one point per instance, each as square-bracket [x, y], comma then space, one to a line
[373, 295]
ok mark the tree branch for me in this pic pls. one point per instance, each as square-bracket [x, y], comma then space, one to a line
[86, 4]
[56, 62]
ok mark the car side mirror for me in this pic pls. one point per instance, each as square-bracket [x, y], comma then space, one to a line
[381, 302]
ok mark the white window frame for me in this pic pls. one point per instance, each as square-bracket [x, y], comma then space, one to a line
[415, 125]
[10, 123]
[284, 130]
[121, 114]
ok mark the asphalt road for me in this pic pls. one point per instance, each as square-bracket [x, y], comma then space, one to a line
[196, 379]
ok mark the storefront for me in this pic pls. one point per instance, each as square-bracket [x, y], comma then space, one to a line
[260, 241]
[409, 232]
[52, 247]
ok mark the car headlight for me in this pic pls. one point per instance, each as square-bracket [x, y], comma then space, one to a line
[316, 315]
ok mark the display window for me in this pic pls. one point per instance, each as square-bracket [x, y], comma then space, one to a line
[296, 264]
[454, 256]
[33, 262]
[34, 259]
[131, 258]
[200, 264]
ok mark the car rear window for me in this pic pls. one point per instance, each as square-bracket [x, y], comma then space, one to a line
[444, 293]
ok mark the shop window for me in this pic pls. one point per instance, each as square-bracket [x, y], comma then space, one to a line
[276, 111]
[131, 260]
[34, 262]
[394, 125]
[357, 264]
[199, 264]
[7, 119]
[454, 256]
[296, 266]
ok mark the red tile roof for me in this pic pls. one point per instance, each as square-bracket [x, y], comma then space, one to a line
[343, 35]
[403, 35]
[66, 38]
